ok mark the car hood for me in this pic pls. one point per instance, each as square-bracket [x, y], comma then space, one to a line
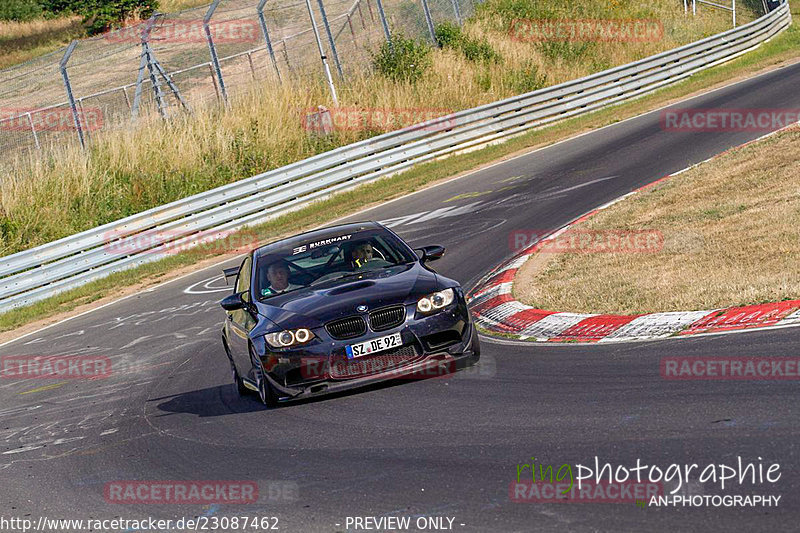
[312, 307]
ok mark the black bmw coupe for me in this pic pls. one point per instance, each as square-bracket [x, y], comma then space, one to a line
[342, 307]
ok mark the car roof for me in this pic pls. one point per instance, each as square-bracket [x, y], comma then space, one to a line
[318, 235]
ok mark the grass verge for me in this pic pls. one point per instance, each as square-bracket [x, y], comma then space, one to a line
[779, 50]
[729, 236]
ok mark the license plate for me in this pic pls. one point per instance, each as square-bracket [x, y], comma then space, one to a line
[375, 345]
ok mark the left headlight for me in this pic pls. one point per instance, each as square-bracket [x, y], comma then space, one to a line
[436, 301]
[289, 337]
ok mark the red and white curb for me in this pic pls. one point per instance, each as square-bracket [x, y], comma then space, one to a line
[496, 310]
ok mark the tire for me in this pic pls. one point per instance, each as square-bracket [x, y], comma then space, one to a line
[240, 388]
[266, 393]
[476, 346]
[237, 380]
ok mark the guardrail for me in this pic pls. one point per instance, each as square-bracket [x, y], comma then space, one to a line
[44, 271]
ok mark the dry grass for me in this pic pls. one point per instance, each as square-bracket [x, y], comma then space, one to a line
[22, 41]
[128, 171]
[731, 230]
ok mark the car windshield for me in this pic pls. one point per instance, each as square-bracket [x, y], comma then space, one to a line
[295, 264]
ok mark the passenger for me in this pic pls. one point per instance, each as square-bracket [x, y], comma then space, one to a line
[360, 254]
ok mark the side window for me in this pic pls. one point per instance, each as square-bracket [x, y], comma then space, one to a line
[243, 280]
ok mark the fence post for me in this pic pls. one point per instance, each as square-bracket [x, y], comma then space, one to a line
[321, 53]
[159, 94]
[330, 38]
[68, 88]
[137, 93]
[734, 13]
[352, 31]
[33, 130]
[213, 50]
[263, 22]
[429, 21]
[385, 24]
[457, 11]
[144, 62]
[371, 15]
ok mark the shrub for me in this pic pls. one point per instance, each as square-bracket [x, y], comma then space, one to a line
[449, 35]
[19, 10]
[407, 61]
[526, 79]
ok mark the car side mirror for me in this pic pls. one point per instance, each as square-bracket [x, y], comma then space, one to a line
[232, 302]
[431, 253]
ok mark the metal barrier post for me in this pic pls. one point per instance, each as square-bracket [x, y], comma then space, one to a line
[385, 24]
[330, 38]
[144, 62]
[68, 88]
[33, 130]
[157, 92]
[321, 53]
[457, 11]
[263, 23]
[429, 21]
[213, 50]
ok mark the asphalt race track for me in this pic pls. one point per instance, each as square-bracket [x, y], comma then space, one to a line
[446, 447]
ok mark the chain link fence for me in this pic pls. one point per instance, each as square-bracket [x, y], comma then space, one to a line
[172, 63]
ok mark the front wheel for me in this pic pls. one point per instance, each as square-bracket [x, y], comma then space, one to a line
[240, 388]
[476, 346]
[266, 393]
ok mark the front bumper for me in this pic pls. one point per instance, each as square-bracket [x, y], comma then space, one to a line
[433, 345]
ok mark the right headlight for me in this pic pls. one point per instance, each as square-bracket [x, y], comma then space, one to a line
[436, 301]
[289, 337]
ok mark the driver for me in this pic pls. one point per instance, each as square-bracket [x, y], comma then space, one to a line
[278, 277]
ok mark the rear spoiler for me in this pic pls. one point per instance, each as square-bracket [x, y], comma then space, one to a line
[230, 274]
